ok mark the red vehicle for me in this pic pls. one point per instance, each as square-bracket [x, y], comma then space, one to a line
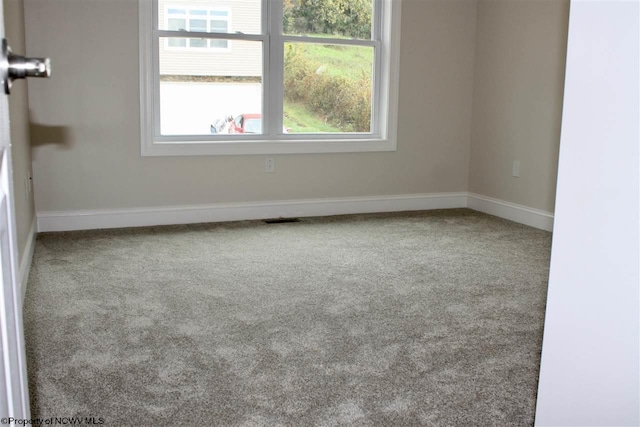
[246, 123]
[242, 123]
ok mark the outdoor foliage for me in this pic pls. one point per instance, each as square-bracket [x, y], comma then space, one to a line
[341, 101]
[333, 82]
[349, 18]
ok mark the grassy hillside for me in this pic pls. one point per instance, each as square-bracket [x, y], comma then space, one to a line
[327, 87]
[353, 62]
[299, 119]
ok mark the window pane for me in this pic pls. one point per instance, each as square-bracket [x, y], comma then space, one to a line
[200, 90]
[219, 26]
[173, 42]
[197, 42]
[239, 16]
[329, 18]
[175, 24]
[327, 88]
[199, 25]
[252, 125]
[219, 44]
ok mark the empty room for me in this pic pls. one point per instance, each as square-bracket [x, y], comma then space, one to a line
[320, 212]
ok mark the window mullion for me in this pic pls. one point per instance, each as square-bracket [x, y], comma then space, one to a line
[378, 76]
[274, 113]
[266, 76]
[201, 35]
[380, 55]
[328, 40]
[155, 60]
[377, 22]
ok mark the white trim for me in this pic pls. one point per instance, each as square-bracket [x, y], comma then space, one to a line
[145, 28]
[511, 211]
[390, 72]
[139, 217]
[301, 146]
[86, 220]
[27, 258]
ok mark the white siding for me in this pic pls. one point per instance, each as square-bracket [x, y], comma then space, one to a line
[240, 59]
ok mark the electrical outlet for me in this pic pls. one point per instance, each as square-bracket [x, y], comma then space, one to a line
[269, 165]
[516, 168]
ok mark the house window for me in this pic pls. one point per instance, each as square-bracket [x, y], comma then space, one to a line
[199, 20]
[304, 76]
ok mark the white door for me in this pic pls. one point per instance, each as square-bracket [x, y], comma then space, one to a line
[14, 392]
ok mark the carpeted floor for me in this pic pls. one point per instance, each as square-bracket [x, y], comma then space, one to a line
[420, 318]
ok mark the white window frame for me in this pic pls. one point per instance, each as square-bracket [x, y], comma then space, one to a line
[186, 17]
[386, 40]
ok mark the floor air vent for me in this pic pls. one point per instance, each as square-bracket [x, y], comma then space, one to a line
[281, 220]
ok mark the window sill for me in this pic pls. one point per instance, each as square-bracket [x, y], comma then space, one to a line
[247, 147]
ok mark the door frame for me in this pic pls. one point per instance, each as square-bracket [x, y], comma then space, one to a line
[14, 384]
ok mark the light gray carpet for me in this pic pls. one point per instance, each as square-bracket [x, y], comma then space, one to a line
[424, 318]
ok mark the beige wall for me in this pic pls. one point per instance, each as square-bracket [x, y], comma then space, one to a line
[517, 103]
[19, 116]
[87, 153]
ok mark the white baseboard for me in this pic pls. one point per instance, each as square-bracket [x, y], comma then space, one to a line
[27, 258]
[139, 217]
[511, 211]
[87, 220]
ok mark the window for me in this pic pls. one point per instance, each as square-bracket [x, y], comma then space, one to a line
[197, 20]
[303, 76]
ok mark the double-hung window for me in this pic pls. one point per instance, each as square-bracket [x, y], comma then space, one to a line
[268, 76]
[196, 19]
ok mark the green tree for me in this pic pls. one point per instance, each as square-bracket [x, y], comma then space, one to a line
[350, 18]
